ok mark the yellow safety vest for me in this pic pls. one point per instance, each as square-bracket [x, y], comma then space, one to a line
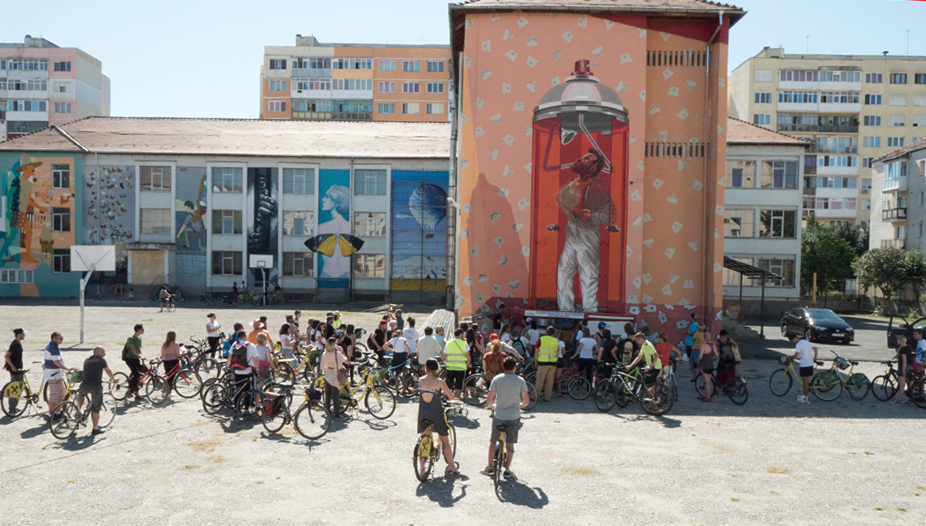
[549, 350]
[456, 355]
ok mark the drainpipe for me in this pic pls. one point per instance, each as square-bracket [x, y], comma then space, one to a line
[709, 184]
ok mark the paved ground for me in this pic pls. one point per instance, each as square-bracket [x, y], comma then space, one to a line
[768, 462]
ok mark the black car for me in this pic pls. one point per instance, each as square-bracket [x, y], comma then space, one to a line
[816, 324]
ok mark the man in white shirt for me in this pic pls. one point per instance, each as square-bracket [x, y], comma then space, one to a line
[586, 352]
[428, 347]
[243, 362]
[411, 336]
[807, 354]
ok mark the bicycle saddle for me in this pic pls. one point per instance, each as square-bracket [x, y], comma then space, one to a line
[286, 387]
[23, 371]
[853, 363]
[427, 423]
[819, 362]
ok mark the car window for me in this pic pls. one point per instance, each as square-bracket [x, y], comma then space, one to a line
[796, 313]
[823, 315]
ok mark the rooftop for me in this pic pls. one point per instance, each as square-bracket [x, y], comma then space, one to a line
[241, 137]
[602, 5]
[903, 152]
[29, 41]
[742, 132]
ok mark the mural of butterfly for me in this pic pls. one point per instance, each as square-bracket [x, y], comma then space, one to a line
[326, 243]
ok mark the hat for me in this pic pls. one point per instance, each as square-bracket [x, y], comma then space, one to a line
[529, 319]
[330, 317]
[339, 334]
[384, 320]
[723, 332]
[19, 331]
[602, 325]
[493, 336]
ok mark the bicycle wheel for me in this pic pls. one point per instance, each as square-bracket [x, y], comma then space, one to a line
[531, 379]
[622, 394]
[250, 403]
[274, 422]
[121, 387]
[308, 374]
[206, 368]
[531, 397]
[918, 393]
[883, 387]
[187, 384]
[604, 397]
[14, 398]
[156, 390]
[475, 390]
[499, 463]
[699, 384]
[858, 386]
[657, 400]
[171, 307]
[452, 436]
[422, 458]
[65, 425]
[826, 386]
[381, 404]
[408, 384]
[779, 383]
[214, 397]
[738, 392]
[579, 387]
[285, 372]
[107, 410]
[312, 420]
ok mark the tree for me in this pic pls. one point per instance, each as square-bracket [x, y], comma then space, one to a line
[914, 269]
[882, 268]
[826, 253]
[856, 236]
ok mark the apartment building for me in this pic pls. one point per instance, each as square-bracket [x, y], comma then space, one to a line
[314, 81]
[762, 211]
[43, 84]
[898, 188]
[854, 108]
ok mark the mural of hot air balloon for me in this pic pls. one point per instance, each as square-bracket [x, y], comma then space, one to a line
[428, 204]
[419, 241]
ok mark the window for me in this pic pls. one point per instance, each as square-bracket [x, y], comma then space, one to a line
[27, 85]
[61, 260]
[301, 84]
[26, 105]
[866, 204]
[364, 63]
[898, 100]
[920, 200]
[387, 87]
[764, 76]
[320, 84]
[410, 87]
[919, 100]
[435, 87]
[277, 63]
[61, 87]
[63, 66]
[370, 224]
[61, 219]
[435, 66]
[873, 100]
[411, 65]
[27, 64]
[319, 63]
[352, 84]
[898, 121]
[226, 222]
[798, 97]
[369, 266]
[299, 224]
[155, 221]
[874, 78]
[370, 182]
[741, 174]
[411, 108]
[840, 76]
[895, 142]
[900, 232]
[298, 181]
[733, 278]
[60, 176]
[871, 142]
[872, 120]
[226, 263]
[276, 105]
[387, 65]
[798, 75]
[782, 267]
[779, 174]
[763, 98]
[777, 223]
[227, 179]
[839, 97]
[155, 178]
[898, 78]
[16, 276]
[385, 107]
[739, 223]
[298, 264]
[435, 109]
[62, 107]
[277, 85]
[919, 230]
[919, 78]
[919, 122]
[761, 119]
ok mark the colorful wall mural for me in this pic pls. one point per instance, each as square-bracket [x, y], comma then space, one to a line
[334, 220]
[190, 220]
[262, 210]
[419, 230]
[109, 209]
[38, 224]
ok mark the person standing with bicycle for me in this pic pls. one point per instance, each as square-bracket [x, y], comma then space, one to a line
[807, 354]
[430, 408]
[507, 397]
[13, 361]
[92, 385]
[904, 360]
[212, 334]
[726, 365]
[706, 355]
[170, 357]
[332, 363]
[243, 360]
[131, 355]
[650, 355]
[457, 358]
[54, 373]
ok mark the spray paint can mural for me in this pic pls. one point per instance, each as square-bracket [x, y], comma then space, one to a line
[579, 169]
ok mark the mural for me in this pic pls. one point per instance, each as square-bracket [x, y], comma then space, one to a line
[334, 219]
[109, 202]
[419, 230]
[190, 213]
[263, 231]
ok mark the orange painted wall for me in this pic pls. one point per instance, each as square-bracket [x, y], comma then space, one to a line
[267, 95]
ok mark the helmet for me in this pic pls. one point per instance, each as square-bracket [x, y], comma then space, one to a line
[602, 325]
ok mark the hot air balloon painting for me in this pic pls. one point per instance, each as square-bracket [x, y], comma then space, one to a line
[419, 223]
[428, 204]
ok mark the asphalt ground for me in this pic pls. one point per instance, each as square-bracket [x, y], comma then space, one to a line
[770, 461]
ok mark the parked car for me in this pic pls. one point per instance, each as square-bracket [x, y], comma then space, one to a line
[817, 325]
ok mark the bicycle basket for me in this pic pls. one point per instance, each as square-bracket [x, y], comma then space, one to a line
[272, 403]
[454, 408]
[842, 363]
[76, 377]
[314, 394]
[783, 360]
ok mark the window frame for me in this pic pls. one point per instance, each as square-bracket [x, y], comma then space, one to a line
[411, 66]
[357, 175]
[380, 106]
[898, 78]
[61, 260]
[359, 261]
[365, 229]
[220, 219]
[153, 230]
[140, 170]
[309, 182]
[60, 219]
[777, 223]
[61, 177]
[289, 265]
[233, 258]
[223, 187]
[307, 225]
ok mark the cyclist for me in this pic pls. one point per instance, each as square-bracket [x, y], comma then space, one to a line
[666, 349]
[170, 356]
[726, 365]
[648, 353]
[331, 362]
[243, 360]
[507, 396]
[54, 373]
[131, 355]
[428, 347]
[430, 408]
[706, 356]
[287, 343]
[586, 352]
[607, 354]
[904, 360]
[264, 356]
[457, 357]
[807, 354]
[377, 340]
[411, 336]
[92, 386]
[14, 357]
[259, 328]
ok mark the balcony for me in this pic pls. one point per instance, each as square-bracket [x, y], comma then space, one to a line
[810, 169]
[332, 116]
[895, 184]
[806, 128]
[894, 214]
[893, 243]
[815, 148]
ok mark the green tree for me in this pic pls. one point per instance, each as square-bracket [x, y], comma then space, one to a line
[826, 253]
[914, 267]
[856, 236]
[882, 268]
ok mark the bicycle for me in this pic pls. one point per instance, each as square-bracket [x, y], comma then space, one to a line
[229, 301]
[16, 391]
[311, 420]
[884, 386]
[243, 399]
[378, 400]
[304, 366]
[428, 450]
[501, 452]
[780, 381]
[73, 416]
[856, 384]
[622, 388]
[734, 387]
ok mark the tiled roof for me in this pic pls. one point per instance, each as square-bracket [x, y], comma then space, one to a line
[606, 5]
[903, 152]
[277, 138]
[742, 132]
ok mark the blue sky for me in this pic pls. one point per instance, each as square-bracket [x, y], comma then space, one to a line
[201, 58]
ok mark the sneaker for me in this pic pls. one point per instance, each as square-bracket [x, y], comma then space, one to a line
[340, 418]
[507, 474]
[897, 401]
[801, 399]
[807, 400]
[97, 431]
[489, 470]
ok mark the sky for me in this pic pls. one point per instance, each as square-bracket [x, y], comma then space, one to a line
[201, 58]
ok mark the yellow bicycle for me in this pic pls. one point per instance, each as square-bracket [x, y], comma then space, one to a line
[379, 400]
[17, 395]
[428, 449]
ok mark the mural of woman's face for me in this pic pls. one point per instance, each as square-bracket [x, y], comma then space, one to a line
[329, 202]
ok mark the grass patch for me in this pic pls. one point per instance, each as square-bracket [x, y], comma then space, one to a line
[734, 499]
[579, 471]
[902, 509]
[191, 467]
[773, 492]
[869, 453]
[205, 446]
[777, 470]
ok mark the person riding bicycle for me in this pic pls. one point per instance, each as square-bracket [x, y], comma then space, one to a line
[726, 365]
[430, 409]
[650, 357]
[507, 397]
[92, 386]
[457, 357]
[131, 355]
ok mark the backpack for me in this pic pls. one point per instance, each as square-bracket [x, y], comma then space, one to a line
[239, 357]
[625, 350]
[518, 346]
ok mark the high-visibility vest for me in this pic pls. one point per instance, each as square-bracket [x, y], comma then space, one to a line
[456, 355]
[549, 350]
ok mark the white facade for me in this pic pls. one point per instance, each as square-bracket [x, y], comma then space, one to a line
[898, 211]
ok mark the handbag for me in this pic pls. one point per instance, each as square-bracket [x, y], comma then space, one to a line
[342, 376]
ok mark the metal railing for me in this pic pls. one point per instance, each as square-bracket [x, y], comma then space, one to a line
[817, 128]
[894, 214]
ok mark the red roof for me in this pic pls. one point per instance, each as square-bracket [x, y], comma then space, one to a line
[742, 132]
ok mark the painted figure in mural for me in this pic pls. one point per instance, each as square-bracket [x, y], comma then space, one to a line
[22, 206]
[265, 208]
[336, 201]
[193, 227]
[588, 206]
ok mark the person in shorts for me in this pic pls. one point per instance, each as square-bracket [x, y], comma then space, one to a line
[92, 386]
[507, 397]
[457, 359]
[807, 354]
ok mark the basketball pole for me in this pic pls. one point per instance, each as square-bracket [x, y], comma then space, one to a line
[83, 285]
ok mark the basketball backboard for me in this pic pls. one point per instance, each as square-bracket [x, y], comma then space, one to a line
[83, 257]
[260, 261]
